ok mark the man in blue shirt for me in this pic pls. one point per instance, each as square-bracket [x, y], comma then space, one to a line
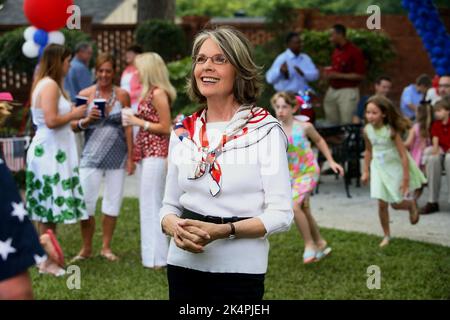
[292, 70]
[79, 76]
[413, 94]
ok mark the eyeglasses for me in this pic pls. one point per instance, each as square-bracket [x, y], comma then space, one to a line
[216, 59]
[444, 85]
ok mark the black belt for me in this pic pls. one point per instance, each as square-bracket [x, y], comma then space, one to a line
[188, 214]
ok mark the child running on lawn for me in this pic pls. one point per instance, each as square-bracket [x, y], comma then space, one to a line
[394, 176]
[304, 171]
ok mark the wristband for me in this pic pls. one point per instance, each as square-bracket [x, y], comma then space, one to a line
[146, 125]
[80, 126]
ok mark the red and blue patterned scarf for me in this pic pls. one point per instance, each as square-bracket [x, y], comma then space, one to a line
[246, 120]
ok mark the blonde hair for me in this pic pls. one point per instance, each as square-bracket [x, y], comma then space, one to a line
[153, 73]
[288, 97]
[238, 50]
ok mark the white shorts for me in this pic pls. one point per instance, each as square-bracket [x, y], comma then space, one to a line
[114, 180]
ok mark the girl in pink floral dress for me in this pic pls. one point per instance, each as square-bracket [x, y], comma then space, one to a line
[304, 171]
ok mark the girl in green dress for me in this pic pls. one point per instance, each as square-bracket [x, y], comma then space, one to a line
[394, 176]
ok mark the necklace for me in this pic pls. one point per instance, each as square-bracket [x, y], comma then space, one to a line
[112, 99]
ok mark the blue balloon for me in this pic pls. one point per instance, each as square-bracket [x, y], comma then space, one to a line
[428, 38]
[441, 71]
[41, 51]
[428, 4]
[420, 23]
[428, 46]
[41, 37]
[440, 41]
[423, 13]
[413, 7]
[437, 52]
[428, 24]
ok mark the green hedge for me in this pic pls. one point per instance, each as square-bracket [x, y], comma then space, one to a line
[11, 43]
[376, 46]
[179, 71]
[163, 37]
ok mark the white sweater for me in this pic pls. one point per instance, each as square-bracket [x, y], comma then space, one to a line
[255, 183]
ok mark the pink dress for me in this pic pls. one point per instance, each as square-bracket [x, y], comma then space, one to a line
[303, 167]
[418, 146]
[131, 83]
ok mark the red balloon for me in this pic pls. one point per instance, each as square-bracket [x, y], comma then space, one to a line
[49, 15]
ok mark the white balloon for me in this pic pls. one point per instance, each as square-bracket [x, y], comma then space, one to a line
[302, 118]
[56, 37]
[29, 32]
[30, 49]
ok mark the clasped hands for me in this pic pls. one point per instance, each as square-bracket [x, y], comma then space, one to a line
[193, 235]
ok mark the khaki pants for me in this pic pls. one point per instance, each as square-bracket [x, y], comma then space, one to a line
[434, 175]
[340, 105]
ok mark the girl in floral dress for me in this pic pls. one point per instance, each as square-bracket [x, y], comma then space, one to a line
[304, 171]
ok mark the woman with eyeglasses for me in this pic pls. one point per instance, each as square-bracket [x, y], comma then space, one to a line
[227, 187]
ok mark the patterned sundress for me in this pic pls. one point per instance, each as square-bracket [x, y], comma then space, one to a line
[303, 167]
[149, 144]
[53, 190]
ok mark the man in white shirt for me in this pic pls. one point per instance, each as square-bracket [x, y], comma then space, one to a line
[292, 70]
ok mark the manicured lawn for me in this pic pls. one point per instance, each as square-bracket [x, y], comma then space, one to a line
[409, 269]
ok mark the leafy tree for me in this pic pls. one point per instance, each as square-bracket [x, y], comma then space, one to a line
[226, 8]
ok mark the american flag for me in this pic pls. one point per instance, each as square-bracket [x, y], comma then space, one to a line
[14, 153]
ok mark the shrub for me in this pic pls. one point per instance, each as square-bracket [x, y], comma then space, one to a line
[179, 72]
[376, 46]
[163, 37]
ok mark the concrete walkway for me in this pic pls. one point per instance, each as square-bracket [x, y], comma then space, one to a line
[332, 209]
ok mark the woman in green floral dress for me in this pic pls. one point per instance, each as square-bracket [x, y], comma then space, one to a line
[53, 191]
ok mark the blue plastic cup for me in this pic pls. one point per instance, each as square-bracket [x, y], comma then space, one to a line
[100, 104]
[80, 100]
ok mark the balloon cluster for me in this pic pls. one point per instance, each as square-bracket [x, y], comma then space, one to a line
[46, 17]
[425, 18]
[304, 98]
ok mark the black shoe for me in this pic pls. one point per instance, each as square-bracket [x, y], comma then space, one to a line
[430, 207]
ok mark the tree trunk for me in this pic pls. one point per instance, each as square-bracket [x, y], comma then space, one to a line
[156, 9]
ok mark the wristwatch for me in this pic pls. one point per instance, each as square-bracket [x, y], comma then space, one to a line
[232, 234]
